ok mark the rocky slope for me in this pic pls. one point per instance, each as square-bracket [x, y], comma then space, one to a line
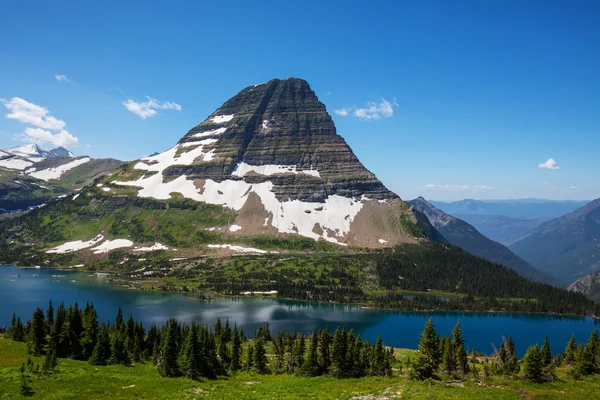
[30, 176]
[266, 171]
[567, 247]
[461, 234]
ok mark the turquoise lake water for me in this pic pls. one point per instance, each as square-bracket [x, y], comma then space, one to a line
[21, 292]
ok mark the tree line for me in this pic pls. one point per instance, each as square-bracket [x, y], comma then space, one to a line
[195, 350]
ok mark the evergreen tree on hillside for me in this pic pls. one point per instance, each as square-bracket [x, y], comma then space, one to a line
[57, 341]
[101, 353]
[570, 351]
[119, 321]
[533, 364]
[118, 353]
[378, 361]
[260, 357]
[170, 351]
[191, 365]
[449, 358]
[37, 333]
[428, 358]
[236, 350]
[325, 340]
[546, 353]
[462, 359]
[310, 367]
[512, 365]
[49, 317]
[89, 337]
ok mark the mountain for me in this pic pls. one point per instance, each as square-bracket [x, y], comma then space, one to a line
[30, 176]
[588, 285]
[266, 169]
[567, 247]
[502, 229]
[460, 233]
[60, 152]
[517, 209]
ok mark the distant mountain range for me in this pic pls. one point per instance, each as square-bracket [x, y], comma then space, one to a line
[30, 175]
[459, 233]
[567, 247]
[527, 209]
[502, 229]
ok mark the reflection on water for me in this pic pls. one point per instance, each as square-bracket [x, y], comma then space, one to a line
[22, 294]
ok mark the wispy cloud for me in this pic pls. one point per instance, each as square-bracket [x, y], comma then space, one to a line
[458, 188]
[343, 111]
[148, 108]
[32, 114]
[116, 89]
[549, 164]
[373, 111]
[62, 78]
[43, 124]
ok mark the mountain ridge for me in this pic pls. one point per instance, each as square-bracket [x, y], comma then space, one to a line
[460, 233]
[568, 246]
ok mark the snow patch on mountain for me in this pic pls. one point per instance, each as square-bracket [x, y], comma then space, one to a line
[213, 132]
[57, 172]
[334, 216]
[69, 247]
[242, 169]
[156, 246]
[109, 245]
[219, 119]
[15, 163]
[239, 249]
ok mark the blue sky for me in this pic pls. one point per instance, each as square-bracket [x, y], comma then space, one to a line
[467, 98]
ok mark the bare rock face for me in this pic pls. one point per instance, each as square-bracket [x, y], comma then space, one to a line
[282, 122]
[272, 155]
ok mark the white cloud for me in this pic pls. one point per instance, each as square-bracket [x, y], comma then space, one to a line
[383, 109]
[29, 113]
[148, 108]
[41, 136]
[549, 164]
[343, 111]
[459, 188]
[62, 78]
[38, 116]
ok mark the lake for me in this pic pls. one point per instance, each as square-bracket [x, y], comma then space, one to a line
[21, 291]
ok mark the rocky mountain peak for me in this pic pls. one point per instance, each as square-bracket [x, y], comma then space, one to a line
[272, 154]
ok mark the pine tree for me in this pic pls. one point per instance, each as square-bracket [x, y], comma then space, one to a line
[49, 362]
[236, 349]
[26, 389]
[449, 357]
[428, 358]
[511, 366]
[49, 317]
[118, 352]
[192, 363]
[571, 350]
[250, 358]
[378, 361]
[310, 367]
[546, 353]
[338, 353]
[57, 341]
[325, 339]
[586, 362]
[170, 351]
[462, 359]
[37, 332]
[260, 357]
[89, 337]
[101, 353]
[533, 364]
[119, 321]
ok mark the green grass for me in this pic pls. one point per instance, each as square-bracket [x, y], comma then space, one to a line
[80, 380]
